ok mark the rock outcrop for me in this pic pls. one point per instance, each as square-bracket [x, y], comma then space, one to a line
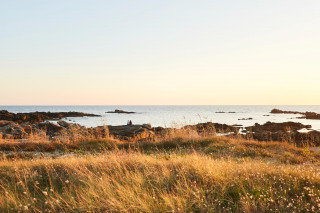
[306, 115]
[36, 117]
[274, 127]
[132, 132]
[120, 112]
[287, 132]
[11, 130]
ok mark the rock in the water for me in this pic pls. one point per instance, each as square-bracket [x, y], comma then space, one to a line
[306, 115]
[278, 111]
[36, 117]
[120, 111]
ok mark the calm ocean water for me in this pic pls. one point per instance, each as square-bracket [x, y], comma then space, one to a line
[175, 116]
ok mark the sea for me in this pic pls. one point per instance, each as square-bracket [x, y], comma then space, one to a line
[177, 115]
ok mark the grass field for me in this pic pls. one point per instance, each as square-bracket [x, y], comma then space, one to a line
[203, 174]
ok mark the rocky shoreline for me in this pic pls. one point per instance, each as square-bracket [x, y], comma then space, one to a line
[12, 126]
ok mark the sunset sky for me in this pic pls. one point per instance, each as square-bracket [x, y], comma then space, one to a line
[142, 52]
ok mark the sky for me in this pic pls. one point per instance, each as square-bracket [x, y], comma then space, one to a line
[159, 52]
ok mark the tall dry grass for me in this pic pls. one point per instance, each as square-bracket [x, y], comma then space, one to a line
[183, 171]
[135, 182]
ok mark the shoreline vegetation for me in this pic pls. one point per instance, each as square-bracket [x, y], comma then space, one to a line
[207, 167]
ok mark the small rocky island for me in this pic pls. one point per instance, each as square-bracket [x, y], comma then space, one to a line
[306, 115]
[36, 117]
[120, 112]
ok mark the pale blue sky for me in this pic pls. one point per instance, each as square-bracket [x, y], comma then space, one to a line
[159, 52]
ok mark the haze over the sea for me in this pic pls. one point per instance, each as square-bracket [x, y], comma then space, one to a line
[79, 52]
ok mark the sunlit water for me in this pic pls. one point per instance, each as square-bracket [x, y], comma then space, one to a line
[175, 116]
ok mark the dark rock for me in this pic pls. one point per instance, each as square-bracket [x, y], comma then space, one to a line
[274, 127]
[312, 115]
[51, 129]
[6, 123]
[224, 128]
[27, 129]
[120, 111]
[36, 117]
[245, 119]
[278, 111]
[211, 128]
[132, 132]
[287, 132]
[306, 115]
[64, 124]
[202, 128]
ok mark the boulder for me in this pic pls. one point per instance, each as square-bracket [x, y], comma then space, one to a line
[132, 132]
[6, 123]
[27, 129]
[51, 129]
[64, 124]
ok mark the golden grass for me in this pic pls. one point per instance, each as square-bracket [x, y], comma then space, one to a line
[179, 173]
[135, 182]
[215, 146]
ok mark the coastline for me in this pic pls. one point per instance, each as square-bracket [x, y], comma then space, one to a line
[22, 126]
